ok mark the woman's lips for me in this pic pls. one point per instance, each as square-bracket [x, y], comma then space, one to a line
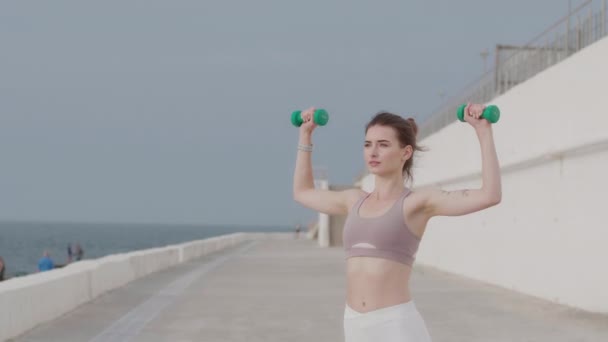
[374, 163]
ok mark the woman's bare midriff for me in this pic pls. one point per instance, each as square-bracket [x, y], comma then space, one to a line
[375, 283]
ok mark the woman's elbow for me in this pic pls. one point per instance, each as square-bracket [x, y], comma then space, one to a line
[297, 195]
[491, 196]
[494, 199]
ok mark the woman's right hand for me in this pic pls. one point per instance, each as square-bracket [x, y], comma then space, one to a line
[308, 124]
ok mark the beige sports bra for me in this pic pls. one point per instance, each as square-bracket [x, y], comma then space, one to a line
[386, 236]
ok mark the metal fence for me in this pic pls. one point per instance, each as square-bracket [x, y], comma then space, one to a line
[583, 26]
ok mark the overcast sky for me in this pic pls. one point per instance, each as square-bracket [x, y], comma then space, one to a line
[178, 111]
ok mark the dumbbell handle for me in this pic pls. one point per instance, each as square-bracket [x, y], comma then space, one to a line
[490, 113]
[320, 117]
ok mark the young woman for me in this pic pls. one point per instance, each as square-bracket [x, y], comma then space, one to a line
[384, 228]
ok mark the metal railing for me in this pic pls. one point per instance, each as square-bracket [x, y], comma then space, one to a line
[513, 65]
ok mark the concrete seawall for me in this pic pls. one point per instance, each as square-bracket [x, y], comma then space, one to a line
[28, 301]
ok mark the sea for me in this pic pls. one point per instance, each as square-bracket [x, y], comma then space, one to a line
[23, 243]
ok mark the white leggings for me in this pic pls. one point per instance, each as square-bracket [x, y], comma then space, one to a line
[398, 323]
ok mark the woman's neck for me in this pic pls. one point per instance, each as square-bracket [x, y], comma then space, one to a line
[387, 187]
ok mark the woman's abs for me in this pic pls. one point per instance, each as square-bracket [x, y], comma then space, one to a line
[374, 283]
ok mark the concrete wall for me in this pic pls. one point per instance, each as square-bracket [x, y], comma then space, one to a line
[28, 301]
[548, 237]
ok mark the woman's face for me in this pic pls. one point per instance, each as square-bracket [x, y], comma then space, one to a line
[383, 152]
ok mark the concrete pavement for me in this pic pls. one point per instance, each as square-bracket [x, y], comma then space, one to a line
[293, 290]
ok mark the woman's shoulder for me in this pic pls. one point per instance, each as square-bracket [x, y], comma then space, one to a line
[418, 196]
[353, 195]
[424, 190]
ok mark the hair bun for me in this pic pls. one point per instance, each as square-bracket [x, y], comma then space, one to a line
[413, 125]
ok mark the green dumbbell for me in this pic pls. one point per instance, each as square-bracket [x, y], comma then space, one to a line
[320, 117]
[490, 113]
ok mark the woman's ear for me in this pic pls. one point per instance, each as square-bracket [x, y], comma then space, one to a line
[408, 152]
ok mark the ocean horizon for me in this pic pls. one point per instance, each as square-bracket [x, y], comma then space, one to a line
[22, 243]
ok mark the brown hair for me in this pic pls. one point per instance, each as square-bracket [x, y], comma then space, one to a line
[406, 130]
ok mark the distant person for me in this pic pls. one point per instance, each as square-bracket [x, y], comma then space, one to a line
[298, 228]
[70, 253]
[384, 227]
[78, 252]
[45, 263]
[2, 268]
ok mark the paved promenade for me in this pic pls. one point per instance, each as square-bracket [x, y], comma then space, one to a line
[292, 291]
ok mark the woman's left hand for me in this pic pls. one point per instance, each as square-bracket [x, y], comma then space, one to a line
[472, 115]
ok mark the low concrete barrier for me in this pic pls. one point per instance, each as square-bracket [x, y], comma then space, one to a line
[153, 260]
[28, 301]
[110, 272]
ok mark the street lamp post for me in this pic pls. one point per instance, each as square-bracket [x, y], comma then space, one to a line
[484, 55]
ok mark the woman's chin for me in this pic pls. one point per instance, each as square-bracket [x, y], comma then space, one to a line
[376, 171]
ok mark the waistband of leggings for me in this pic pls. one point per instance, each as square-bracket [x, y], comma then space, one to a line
[398, 309]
